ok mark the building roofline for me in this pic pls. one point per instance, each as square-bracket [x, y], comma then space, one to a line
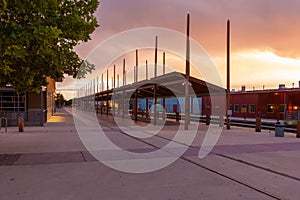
[266, 91]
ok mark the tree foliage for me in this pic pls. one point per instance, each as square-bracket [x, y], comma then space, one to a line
[60, 100]
[37, 38]
[85, 68]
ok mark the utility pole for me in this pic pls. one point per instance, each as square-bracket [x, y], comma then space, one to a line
[228, 76]
[187, 76]
[155, 57]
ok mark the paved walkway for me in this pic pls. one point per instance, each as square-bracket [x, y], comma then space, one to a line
[51, 162]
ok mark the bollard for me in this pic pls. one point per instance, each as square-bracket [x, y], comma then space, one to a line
[207, 121]
[258, 124]
[221, 121]
[21, 124]
[298, 129]
[177, 116]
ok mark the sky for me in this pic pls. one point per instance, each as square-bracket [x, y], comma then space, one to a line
[265, 46]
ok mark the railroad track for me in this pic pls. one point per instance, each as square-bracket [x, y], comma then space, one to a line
[108, 123]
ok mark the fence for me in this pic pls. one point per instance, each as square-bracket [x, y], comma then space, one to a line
[31, 118]
[292, 115]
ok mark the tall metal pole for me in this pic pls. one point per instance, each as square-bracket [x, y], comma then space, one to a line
[137, 64]
[124, 72]
[187, 76]
[123, 91]
[97, 84]
[135, 106]
[107, 79]
[164, 99]
[42, 114]
[94, 86]
[118, 84]
[228, 75]
[112, 100]
[107, 106]
[147, 108]
[97, 110]
[87, 88]
[102, 83]
[164, 63]
[155, 75]
[146, 70]
[114, 76]
[155, 57]
[84, 96]
[155, 102]
[134, 74]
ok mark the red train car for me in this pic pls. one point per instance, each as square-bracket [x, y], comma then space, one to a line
[281, 103]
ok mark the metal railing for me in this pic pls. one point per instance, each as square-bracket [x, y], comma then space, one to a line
[292, 115]
[31, 118]
[3, 119]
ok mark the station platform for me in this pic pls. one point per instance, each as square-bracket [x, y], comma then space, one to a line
[51, 162]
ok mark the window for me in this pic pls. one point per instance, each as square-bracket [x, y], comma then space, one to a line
[10, 101]
[236, 108]
[244, 108]
[281, 107]
[251, 108]
[270, 108]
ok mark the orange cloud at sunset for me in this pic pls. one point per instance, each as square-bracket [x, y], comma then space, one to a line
[265, 46]
[258, 68]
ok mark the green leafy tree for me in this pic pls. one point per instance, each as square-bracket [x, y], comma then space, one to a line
[69, 102]
[37, 38]
[60, 101]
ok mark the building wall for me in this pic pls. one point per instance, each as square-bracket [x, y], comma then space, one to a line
[33, 101]
[272, 99]
[30, 106]
[293, 101]
[50, 97]
[241, 104]
[214, 105]
[269, 104]
[293, 105]
[36, 104]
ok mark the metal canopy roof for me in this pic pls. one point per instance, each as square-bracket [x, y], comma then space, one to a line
[168, 85]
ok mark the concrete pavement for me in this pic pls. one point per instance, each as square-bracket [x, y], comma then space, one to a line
[50, 162]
